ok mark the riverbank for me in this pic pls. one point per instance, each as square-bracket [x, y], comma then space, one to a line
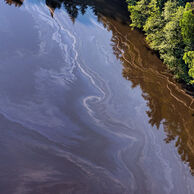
[168, 27]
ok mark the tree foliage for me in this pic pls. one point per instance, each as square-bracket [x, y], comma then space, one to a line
[169, 29]
[189, 60]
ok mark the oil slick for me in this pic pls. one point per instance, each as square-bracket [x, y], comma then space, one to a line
[70, 122]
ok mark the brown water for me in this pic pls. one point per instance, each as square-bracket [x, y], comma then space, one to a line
[86, 107]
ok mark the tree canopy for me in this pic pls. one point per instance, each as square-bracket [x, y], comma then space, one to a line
[169, 29]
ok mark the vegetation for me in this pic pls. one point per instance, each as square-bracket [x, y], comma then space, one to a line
[169, 29]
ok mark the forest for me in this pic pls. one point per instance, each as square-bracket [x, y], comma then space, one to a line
[169, 30]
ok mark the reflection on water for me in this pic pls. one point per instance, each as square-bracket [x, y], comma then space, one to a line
[75, 7]
[169, 109]
[168, 104]
[164, 97]
[17, 3]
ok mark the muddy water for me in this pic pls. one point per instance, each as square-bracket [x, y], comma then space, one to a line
[86, 107]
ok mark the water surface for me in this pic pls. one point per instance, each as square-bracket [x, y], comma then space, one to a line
[85, 106]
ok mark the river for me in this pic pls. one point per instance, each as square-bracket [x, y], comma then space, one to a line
[85, 106]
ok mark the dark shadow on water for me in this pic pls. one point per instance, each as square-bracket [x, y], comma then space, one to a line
[114, 9]
[17, 3]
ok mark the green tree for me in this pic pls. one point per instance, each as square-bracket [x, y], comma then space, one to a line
[172, 48]
[154, 26]
[169, 29]
[139, 13]
[189, 60]
[187, 27]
